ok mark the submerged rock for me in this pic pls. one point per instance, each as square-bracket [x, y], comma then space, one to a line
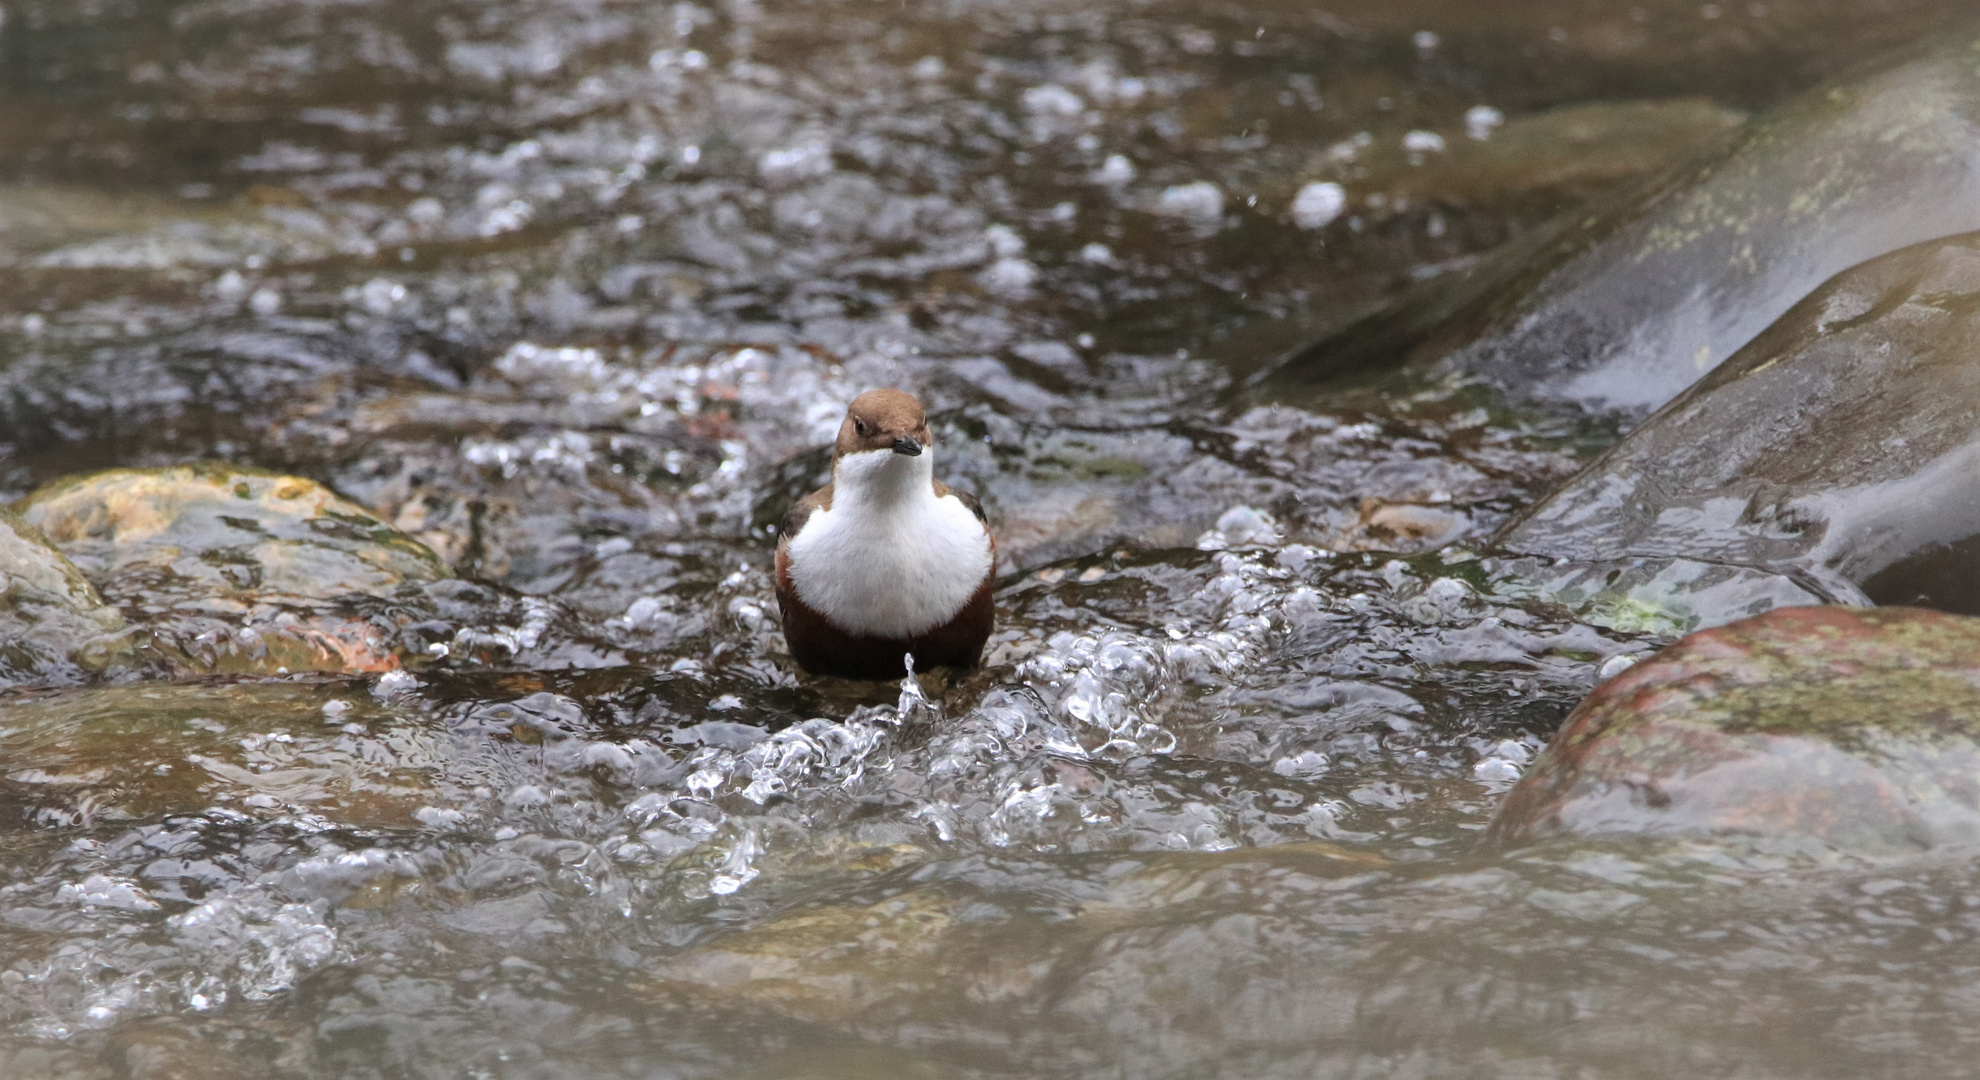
[1621, 308]
[236, 570]
[875, 963]
[53, 625]
[270, 749]
[832, 963]
[1858, 729]
[157, 1049]
[1839, 447]
[1664, 598]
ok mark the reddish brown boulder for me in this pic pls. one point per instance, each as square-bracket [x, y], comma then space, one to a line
[1854, 728]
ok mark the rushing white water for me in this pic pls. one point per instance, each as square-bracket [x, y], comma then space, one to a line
[575, 292]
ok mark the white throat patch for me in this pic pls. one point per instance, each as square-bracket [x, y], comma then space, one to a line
[889, 559]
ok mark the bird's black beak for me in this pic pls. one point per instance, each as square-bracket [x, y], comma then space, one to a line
[908, 446]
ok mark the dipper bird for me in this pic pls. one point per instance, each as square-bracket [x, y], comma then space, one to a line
[885, 560]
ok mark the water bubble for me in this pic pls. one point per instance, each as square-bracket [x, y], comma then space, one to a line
[1423, 142]
[1318, 204]
[793, 163]
[1116, 171]
[1240, 526]
[263, 944]
[437, 817]
[1615, 665]
[1307, 764]
[1004, 241]
[506, 218]
[97, 890]
[380, 296]
[1053, 100]
[392, 684]
[1481, 120]
[527, 795]
[1009, 277]
[1201, 201]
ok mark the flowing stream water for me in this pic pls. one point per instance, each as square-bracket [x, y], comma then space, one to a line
[576, 290]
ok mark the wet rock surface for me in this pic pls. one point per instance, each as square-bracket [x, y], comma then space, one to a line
[1838, 446]
[1621, 308]
[569, 294]
[237, 570]
[53, 624]
[1665, 597]
[1836, 726]
[225, 531]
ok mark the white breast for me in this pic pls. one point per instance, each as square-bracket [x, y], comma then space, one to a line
[889, 559]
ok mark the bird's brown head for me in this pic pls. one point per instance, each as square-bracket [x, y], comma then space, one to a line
[884, 420]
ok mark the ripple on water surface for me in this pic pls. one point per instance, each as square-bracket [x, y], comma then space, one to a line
[572, 293]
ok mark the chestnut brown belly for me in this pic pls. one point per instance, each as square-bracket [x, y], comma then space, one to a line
[823, 649]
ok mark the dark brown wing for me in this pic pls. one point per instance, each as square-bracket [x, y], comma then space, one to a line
[801, 512]
[794, 523]
[971, 501]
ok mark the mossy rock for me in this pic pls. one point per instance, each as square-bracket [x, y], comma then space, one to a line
[54, 628]
[228, 570]
[228, 530]
[1854, 729]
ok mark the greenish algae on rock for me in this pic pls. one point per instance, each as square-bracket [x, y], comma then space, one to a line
[1620, 308]
[1855, 729]
[230, 529]
[1840, 447]
[235, 570]
[54, 627]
